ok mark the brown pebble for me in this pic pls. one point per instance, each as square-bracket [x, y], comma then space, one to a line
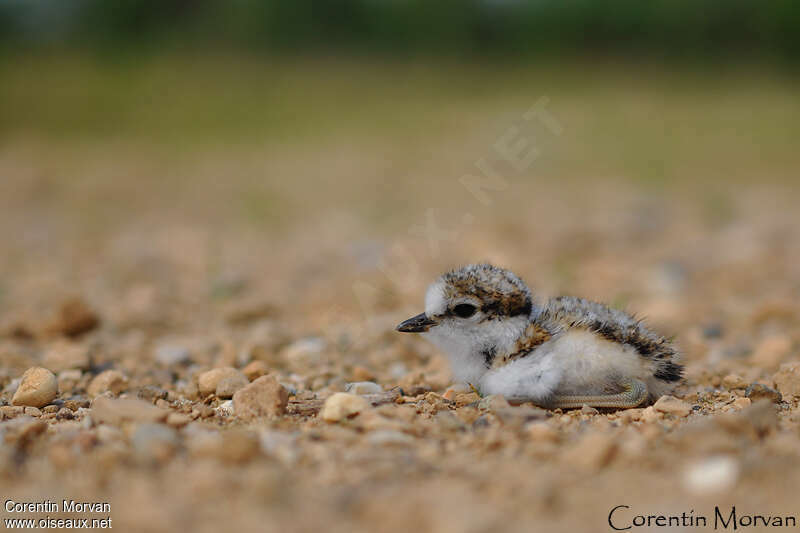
[586, 410]
[163, 404]
[650, 415]
[734, 381]
[33, 411]
[151, 393]
[255, 370]
[631, 415]
[74, 404]
[228, 385]
[111, 381]
[73, 318]
[466, 398]
[673, 406]
[207, 382]
[361, 373]
[264, 397]
[741, 403]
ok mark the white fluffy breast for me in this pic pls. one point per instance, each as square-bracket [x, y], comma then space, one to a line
[574, 363]
[591, 364]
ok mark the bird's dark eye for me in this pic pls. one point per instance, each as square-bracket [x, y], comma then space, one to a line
[464, 310]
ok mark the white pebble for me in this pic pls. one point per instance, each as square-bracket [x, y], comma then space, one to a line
[715, 474]
[363, 387]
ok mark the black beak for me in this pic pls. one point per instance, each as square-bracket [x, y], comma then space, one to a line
[416, 324]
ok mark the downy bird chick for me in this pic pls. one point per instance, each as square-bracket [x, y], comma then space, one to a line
[566, 353]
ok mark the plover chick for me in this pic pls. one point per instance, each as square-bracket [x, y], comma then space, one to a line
[566, 353]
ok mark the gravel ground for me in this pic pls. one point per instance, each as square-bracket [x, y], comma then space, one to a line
[276, 395]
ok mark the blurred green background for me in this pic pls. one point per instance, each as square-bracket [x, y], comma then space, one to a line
[693, 30]
[269, 112]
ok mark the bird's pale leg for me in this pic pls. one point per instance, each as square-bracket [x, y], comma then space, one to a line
[634, 394]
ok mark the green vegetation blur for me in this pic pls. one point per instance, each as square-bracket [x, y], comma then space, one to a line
[360, 92]
[689, 29]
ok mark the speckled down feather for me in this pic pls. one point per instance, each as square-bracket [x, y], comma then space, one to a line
[566, 312]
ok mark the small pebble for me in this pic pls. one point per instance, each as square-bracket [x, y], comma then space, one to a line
[363, 387]
[734, 381]
[650, 415]
[741, 403]
[361, 373]
[466, 398]
[255, 370]
[264, 397]
[757, 391]
[74, 317]
[37, 388]
[343, 405]
[228, 385]
[224, 409]
[207, 381]
[111, 381]
[493, 402]
[631, 415]
[673, 406]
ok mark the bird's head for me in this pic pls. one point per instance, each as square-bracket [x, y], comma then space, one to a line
[473, 314]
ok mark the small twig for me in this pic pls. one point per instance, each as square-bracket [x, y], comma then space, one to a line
[312, 407]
